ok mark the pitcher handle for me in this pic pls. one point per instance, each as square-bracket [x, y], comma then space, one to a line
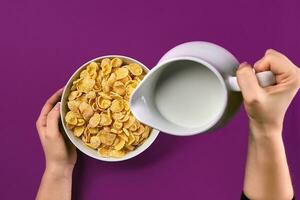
[266, 78]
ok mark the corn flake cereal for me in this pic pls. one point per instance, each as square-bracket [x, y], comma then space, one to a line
[119, 88]
[98, 109]
[135, 69]
[121, 73]
[117, 106]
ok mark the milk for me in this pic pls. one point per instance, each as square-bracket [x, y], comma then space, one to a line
[188, 94]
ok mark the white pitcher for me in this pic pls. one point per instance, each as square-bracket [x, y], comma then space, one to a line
[192, 90]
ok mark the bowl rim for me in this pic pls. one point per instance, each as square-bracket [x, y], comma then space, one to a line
[86, 150]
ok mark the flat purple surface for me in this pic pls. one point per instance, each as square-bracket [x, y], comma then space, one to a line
[43, 42]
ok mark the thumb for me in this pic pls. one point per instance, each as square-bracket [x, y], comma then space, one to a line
[247, 81]
[53, 120]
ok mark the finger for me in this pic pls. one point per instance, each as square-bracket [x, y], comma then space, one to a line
[272, 51]
[41, 122]
[51, 101]
[275, 53]
[40, 126]
[248, 82]
[298, 79]
[261, 65]
[53, 120]
[274, 61]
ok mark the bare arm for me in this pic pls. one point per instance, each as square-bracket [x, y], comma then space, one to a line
[60, 155]
[55, 184]
[267, 174]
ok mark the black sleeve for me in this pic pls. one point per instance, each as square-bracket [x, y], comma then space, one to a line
[243, 197]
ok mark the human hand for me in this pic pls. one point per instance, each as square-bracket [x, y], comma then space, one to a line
[267, 106]
[60, 155]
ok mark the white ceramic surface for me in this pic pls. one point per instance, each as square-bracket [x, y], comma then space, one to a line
[76, 141]
[192, 89]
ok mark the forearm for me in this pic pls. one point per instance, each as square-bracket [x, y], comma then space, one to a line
[267, 174]
[56, 184]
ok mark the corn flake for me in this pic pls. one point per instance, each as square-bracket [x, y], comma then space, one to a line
[94, 142]
[78, 131]
[119, 88]
[86, 85]
[116, 62]
[135, 69]
[107, 138]
[94, 120]
[117, 106]
[105, 120]
[71, 118]
[86, 110]
[103, 103]
[121, 73]
[120, 144]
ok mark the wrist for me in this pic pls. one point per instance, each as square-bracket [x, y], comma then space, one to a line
[59, 172]
[260, 130]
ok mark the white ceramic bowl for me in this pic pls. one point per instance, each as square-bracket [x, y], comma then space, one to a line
[77, 141]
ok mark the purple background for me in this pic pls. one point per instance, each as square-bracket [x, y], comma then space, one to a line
[43, 42]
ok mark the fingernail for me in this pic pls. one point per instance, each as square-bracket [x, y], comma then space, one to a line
[57, 106]
[243, 64]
